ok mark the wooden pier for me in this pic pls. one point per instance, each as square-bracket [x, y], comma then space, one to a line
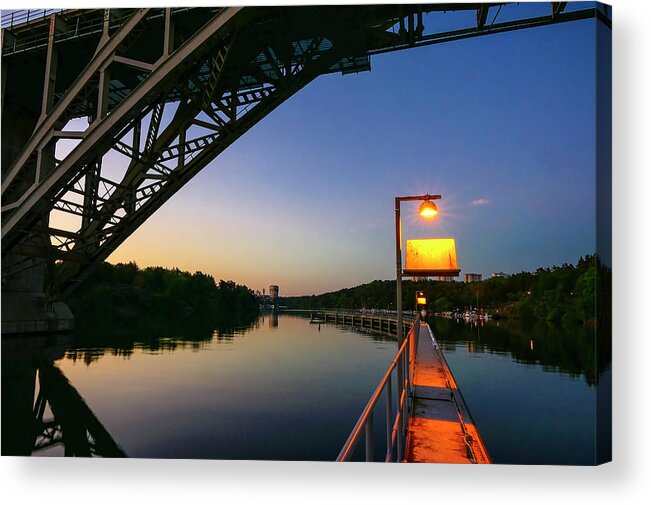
[376, 323]
[440, 428]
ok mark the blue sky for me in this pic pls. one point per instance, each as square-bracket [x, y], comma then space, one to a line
[503, 126]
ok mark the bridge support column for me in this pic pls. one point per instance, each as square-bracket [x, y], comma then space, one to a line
[25, 308]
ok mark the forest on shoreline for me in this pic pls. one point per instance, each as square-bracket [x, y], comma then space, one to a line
[565, 294]
[158, 298]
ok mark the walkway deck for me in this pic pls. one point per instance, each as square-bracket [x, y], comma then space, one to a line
[441, 429]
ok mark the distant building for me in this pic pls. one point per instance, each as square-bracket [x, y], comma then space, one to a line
[445, 279]
[468, 278]
[499, 274]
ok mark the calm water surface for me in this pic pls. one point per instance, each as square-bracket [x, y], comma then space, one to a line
[287, 389]
[283, 389]
[530, 389]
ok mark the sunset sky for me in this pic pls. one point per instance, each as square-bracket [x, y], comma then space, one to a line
[502, 126]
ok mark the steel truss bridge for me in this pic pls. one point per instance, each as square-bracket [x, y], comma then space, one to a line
[168, 90]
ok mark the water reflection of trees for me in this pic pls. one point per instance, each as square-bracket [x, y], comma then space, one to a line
[570, 350]
[155, 335]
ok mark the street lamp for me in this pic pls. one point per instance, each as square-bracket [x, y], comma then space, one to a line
[427, 210]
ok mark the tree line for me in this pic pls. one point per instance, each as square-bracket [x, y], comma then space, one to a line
[125, 292]
[567, 293]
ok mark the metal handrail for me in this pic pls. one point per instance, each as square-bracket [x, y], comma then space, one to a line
[39, 38]
[18, 17]
[395, 430]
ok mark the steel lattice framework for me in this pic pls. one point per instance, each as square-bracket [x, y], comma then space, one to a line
[74, 425]
[169, 89]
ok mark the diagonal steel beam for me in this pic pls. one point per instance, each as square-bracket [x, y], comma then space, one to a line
[48, 122]
[77, 271]
[100, 133]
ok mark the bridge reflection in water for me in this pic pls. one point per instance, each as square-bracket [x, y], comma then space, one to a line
[46, 409]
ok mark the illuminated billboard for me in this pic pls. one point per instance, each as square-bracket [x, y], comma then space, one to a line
[431, 257]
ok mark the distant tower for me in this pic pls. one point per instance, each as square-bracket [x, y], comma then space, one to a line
[273, 295]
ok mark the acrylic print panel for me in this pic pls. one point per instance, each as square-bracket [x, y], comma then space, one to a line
[202, 257]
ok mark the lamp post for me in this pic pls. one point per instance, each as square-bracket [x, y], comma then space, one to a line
[427, 210]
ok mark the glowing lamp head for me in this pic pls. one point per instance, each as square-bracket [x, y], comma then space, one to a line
[428, 209]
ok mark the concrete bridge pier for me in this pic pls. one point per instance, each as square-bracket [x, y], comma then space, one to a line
[26, 309]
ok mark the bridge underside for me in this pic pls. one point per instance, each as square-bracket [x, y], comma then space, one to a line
[107, 113]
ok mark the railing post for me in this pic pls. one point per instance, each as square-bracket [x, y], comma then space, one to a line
[410, 336]
[405, 387]
[400, 332]
[369, 438]
[399, 436]
[388, 413]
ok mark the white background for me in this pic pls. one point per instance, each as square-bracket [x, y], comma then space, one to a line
[626, 480]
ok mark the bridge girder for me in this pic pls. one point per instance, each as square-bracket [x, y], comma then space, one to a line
[168, 90]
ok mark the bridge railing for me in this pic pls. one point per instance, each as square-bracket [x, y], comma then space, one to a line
[18, 17]
[396, 420]
[78, 23]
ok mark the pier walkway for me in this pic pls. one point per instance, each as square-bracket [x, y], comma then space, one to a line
[431, 422]
[376, 323]
[440, 427]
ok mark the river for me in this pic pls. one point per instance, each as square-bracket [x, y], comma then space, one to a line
[285, 389]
